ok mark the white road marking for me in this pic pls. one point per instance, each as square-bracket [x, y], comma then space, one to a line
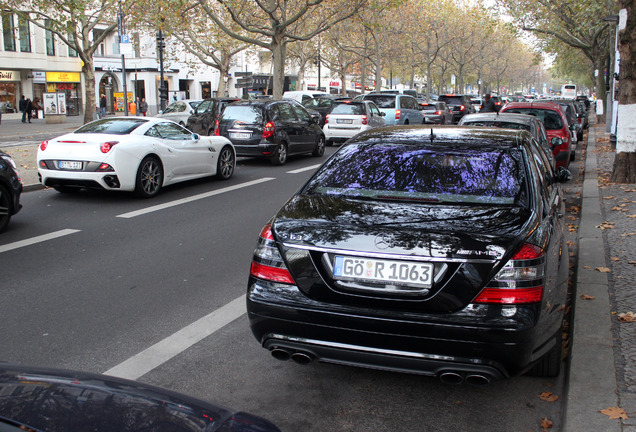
[38, 239]
[299, 170]
[142, 363]
[192, 198]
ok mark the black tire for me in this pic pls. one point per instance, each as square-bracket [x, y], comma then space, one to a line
[549, 365]
[149, 177]
[320, 147]
[226, 163]
[280, 154]
[5, 208]
[329, 143]
[66, 189]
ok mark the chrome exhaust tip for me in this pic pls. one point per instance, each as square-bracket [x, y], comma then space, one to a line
[280, 354]
[451, 377]
[478, 380]
[302, 358]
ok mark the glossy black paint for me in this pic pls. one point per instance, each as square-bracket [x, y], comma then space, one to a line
[56, 400]
[203, 120]
[10, 191]
[439, 329]
[296, 131]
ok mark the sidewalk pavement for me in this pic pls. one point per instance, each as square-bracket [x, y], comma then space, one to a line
[602, 362]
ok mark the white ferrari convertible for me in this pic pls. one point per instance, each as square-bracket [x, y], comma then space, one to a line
[139, 154]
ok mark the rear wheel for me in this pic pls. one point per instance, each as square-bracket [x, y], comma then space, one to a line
[5, 208]
[550, 364]
[225, 164]
[320, 147]
[280, 154]
[329, 143]
[149, 177]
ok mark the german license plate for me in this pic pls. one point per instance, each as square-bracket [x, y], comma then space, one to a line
[387, 271]
[70, 165]
[344, 121]
[240, 135]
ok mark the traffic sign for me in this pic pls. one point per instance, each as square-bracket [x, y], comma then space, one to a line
[243, 74]
[244, 82]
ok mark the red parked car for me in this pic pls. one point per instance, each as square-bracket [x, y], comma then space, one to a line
[556, 126]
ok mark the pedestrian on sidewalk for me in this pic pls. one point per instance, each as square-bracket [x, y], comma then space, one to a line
[143, 106]
[22, 107]
[28, 110]
[102, 105]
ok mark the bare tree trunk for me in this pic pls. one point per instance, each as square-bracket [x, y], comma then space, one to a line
[625, 162]
[91, 101]
[278, 59]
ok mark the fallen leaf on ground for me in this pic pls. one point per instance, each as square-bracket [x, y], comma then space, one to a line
[631, 262]
[615, 259]
[587, 267]
[609, 197]
[615, 413]
[588, 297]
[631, 216]
[606, 225]
[627, 317]
[603, 269]
[628, 234]
[549, 397]
[546, 424]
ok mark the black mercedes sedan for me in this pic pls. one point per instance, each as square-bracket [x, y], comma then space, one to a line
[431, 250]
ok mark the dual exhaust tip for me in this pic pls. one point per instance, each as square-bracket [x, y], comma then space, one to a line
[447, 377]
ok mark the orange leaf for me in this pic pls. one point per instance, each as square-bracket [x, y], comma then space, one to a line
[546, 424]
[549, 397]
[615, 413]
[587, 297]
[603, 269]
[627, 317]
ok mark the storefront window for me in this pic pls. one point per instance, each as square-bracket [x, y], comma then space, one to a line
[7, 31]
[25, 35]
[71, 90]
[8, 96]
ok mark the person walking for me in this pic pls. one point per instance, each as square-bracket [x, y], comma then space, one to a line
[488, 105]
[102, 105]
[143, 106]
[28, 110]
[22, 107]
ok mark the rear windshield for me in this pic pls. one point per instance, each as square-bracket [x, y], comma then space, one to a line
[317, 103]
[382, 101]
[436, 173]
[117, 126]
[428, 107]
[498, 124]
[550, 118]
[451, 100]
[349, 108]
[245, 113]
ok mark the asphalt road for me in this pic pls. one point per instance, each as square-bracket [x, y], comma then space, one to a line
[153, 290]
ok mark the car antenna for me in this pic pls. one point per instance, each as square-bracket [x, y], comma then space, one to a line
[433, 136]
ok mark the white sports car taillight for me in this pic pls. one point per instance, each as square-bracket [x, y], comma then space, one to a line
[267, 262]
[520, 281]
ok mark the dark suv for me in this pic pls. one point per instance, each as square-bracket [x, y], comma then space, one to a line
[460, 105]
[203, 121]
[10, 190]
[271, 129]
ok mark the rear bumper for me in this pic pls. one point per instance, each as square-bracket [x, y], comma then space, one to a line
[282, 317]
[264, 150]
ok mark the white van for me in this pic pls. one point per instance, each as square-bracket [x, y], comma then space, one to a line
[301, 96]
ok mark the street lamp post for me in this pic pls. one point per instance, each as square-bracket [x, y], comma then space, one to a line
[122, 30]
[163, 91]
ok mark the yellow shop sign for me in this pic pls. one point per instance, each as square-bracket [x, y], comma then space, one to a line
[63, 77]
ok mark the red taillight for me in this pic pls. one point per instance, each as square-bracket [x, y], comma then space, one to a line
[462, 108]
[269, 130]
[44, 145]
[438, 113]
[267, 263]
[327, 119]
[107, 146]
[105, 167]
[398, 114]
[520, 281]
[364, 120]
[217, 132]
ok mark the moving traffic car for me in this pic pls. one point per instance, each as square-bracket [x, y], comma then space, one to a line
[140, 154]
[10, 190]
[399, 109]
[460, 105]
[180, 111]
[433, 250]
[436, 113]
[53, 400]
[271, 129]
[203, 119]
[556, 126]
[349, 118]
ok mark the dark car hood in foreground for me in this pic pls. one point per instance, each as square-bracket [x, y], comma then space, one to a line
[56, 400]
[401, 228]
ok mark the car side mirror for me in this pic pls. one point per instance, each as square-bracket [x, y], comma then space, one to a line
[382, 114]
[556, 142]
[196, 136]
[562, 175]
